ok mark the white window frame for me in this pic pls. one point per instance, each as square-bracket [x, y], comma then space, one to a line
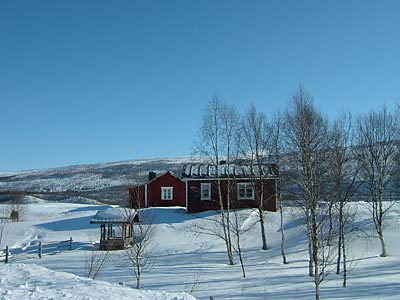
[245, 186]
[204, 186]
[167, 193]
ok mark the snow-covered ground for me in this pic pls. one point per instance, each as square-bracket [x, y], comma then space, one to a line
[30, 281]
[187, 263]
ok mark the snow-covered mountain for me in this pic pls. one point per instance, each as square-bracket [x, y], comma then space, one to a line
[102, 181]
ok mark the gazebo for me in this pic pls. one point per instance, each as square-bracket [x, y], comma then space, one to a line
[116, 227]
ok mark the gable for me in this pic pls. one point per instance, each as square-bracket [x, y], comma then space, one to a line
[166, 179]
[167, 176]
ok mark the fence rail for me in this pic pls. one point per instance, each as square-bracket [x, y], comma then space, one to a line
[40, 250]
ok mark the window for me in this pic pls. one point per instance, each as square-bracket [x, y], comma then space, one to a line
[205, 191]
[245, 191]
[167, 193]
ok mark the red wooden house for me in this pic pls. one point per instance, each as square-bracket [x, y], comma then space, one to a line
[199, 186]
[247, 188]
[164, 190]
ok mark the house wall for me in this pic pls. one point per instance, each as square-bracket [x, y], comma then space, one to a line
[166, 180]
[137, 193]
[195, 204]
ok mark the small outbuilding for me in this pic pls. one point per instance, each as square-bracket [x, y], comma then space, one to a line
[116, 227]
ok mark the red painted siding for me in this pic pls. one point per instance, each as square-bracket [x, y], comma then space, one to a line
[137, 194]
[195, 204]
[166, 180]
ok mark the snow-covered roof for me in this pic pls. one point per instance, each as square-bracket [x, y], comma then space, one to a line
[114, 215]
[233, 170]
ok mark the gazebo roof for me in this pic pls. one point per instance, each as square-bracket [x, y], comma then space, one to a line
[115, 215]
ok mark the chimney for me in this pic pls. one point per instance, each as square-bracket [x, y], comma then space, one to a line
[152, 175]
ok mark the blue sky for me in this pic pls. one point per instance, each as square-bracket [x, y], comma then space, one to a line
[96, 81]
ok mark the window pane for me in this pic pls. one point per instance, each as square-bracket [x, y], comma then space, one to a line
[245, 191]
[249, 191]
[167, 193]
[205, 191]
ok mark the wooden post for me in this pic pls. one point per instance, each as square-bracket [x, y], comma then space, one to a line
[40, 249]
[6, 261]
[70, 243]
[109, 231]
[102, 232]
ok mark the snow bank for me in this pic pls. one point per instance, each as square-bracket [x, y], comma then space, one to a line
[30, 281]
[188, 262]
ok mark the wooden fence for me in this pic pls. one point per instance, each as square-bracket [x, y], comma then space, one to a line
[40, 250]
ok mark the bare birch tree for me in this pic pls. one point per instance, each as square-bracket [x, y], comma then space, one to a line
[306, 136]
[344, 170]
[239, 228]
[230, 128]
[16, 208]
[140, 255]
[378, 138]
[3, 232]
[3, 225]
[276, 151]
[254, 147]
[217, 142]
[212, 227]
[95, 261]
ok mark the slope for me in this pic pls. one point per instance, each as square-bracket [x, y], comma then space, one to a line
[187, 262]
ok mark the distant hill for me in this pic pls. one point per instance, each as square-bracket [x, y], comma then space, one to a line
[105, 182]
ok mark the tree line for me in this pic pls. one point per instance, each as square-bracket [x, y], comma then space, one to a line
[323, 165]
